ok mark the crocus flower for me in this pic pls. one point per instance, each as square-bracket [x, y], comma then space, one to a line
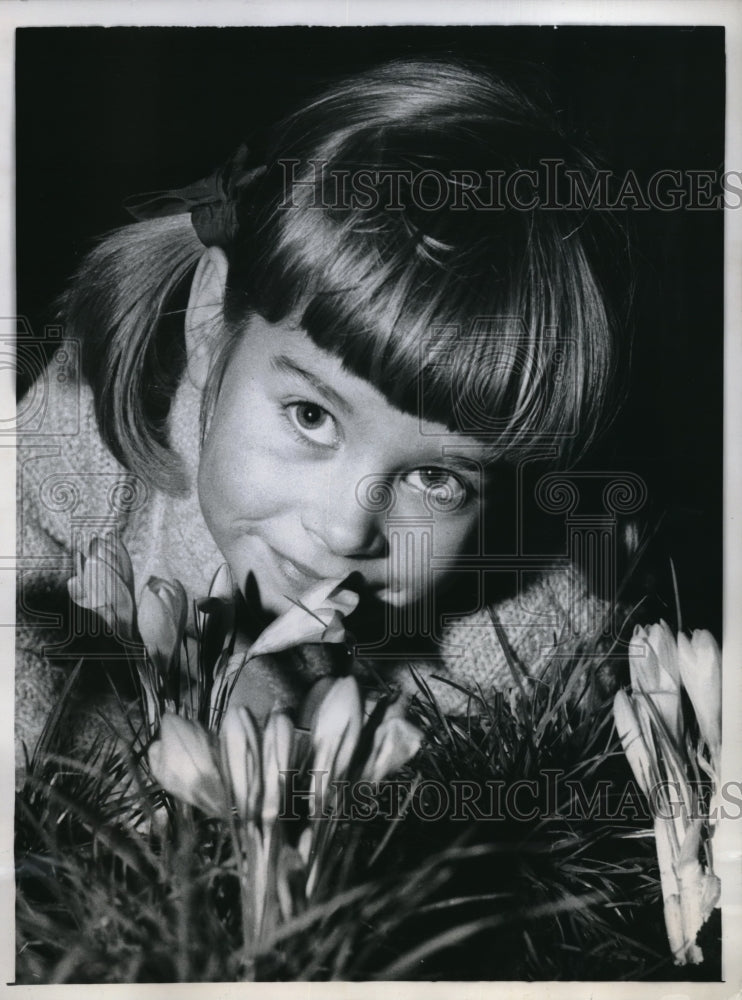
[336, 728]
[395, 742]
[278, 741]
[650, 725]
[182, 762]
[222, 585]
[700, 671]
[241, 753]
[655, 673]
[317, 617]
[632, 740]
[161, 617]
[104, 583]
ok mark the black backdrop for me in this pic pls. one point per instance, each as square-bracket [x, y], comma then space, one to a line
[104, 113]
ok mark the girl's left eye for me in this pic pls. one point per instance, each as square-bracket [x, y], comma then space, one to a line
[442, 488]
[313, 422]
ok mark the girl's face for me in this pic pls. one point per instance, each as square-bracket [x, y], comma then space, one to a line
[297, 456]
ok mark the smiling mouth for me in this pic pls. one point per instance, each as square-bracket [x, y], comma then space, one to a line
[294, 571]
[304, 576]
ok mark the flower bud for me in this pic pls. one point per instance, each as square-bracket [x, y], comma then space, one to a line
[395, 742]
[700, 671]
[222, 586]
[336, 728]
[655, 675]
[182, 762]
[241, 753]
[278, 740]
[632, 741]
[161, 617]
[104, 583]
[317, 617]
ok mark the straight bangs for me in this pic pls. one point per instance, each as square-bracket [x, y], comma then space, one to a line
[374, 229]
[500, 334]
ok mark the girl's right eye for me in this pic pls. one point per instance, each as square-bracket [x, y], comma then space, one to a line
[312, 423]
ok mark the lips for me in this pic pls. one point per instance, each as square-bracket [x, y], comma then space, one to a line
[295, 572]
[302, 575]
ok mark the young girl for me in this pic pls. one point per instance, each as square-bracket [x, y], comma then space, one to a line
[386, 319]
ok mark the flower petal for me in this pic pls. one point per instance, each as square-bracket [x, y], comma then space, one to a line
[663, 642]
[278, 740]
[653, 665]
[110, 550]
[395, 742]
[304, 847]
[642, 661]
[241, 752]
[336, 727]
[182, 762]
[161, 617]
[104, 583]
[308, 619]
[632, 741]
[335, 628]
[222, 586]
[700, 670]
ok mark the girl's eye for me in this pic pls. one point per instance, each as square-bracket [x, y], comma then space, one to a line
[313, 422]
[442, 489]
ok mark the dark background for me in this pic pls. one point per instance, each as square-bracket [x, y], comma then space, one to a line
[106, 113]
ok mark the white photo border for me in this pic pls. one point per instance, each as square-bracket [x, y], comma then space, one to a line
[728, 844]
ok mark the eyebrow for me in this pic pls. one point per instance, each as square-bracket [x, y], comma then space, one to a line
[284, 364]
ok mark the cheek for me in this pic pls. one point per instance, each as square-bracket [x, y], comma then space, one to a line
[414, 550]
[238, 482]
[455, 535]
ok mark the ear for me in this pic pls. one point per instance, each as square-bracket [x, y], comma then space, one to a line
[204, 315]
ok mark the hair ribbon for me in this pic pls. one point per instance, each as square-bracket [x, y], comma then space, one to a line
[212, 201]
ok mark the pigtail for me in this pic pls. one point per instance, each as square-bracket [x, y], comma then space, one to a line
[123, 304]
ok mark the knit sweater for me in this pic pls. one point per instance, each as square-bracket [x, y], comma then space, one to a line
[71, 487]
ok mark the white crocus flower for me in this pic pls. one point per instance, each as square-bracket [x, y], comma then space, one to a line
[222, 585]
[278, 742]
[700, 671]
[104, 583]
[650, 725]
[161, 616]
[240, 746]
[395, 742]
[182, 762]
[336, 727]
[632, 740]
[317, 617]
[655, 673]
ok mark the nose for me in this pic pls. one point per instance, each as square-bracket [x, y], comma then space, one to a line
[345, 526]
